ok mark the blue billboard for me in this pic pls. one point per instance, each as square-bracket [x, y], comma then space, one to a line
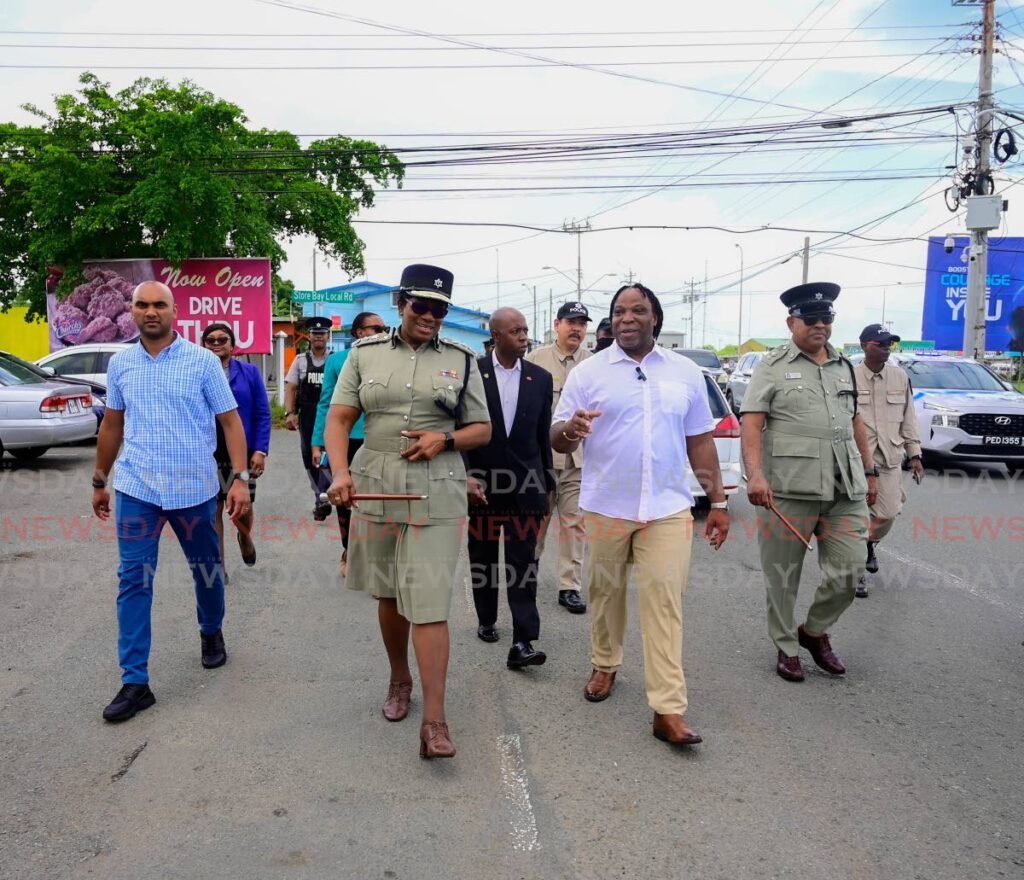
[945, 294]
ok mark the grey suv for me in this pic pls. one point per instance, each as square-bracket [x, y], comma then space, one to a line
[740, 379]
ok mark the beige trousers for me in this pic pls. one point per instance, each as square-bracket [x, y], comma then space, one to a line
[889, 502]
[570, 528]
[660, 553]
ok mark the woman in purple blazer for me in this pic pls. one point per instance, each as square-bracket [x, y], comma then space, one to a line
[254, 410]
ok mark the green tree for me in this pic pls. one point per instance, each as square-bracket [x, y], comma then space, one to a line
[282, 295]
[166, 171]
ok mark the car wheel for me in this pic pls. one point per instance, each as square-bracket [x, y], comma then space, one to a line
[29, 454]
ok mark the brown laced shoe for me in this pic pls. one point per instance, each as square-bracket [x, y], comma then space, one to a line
[435, 741]
[820, 649]
[789, 668]
[396, 706]
[672, 729]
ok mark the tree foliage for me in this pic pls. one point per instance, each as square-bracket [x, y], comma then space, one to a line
[173, 172]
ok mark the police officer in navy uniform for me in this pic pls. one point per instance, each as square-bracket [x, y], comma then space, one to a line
[302, 396]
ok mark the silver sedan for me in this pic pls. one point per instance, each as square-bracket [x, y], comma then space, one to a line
[37, 413]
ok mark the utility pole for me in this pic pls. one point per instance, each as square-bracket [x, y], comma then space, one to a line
[497, 278]
[807, 256]
[977, 269]
[578, 228]
[739, 334]
[535, 327]
[704, 327]
[316, 305]
[689, 327]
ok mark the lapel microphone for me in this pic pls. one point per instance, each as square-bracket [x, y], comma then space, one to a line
[640, 375]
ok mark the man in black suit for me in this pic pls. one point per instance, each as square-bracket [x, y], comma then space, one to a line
[509, 485]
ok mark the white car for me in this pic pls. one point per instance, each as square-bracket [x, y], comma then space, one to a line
[37, 413]
[965, 411]
[87, 362]
[727, 439]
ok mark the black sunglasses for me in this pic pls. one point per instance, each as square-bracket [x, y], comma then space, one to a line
[376, 328]
[811, 320]
[421, 307]
[217, 340]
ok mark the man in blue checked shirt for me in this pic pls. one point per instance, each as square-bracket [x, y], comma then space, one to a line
[162, 398]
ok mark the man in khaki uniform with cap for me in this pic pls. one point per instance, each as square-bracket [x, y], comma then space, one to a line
[558, 359]
[886, 403]
[804, 450]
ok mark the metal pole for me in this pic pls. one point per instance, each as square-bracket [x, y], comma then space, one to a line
[535, 328]
[977, 268]
[497, 278]
[807, 256]
[704, 326]
[739, 333]
[883, 306]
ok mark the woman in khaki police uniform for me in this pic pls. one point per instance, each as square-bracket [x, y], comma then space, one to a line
[424, 403]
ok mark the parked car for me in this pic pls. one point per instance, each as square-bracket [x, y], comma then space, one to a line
[707, 361]
[965, 411]
[739, 380]
[87, 362]
[37, 413]
[97, 389]
[727, 439]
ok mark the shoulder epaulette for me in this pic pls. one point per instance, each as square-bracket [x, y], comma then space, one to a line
[371, 340]
[775, 354]
[460, 346]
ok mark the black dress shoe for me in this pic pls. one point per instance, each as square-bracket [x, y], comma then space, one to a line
[487, 633]
[861, 590]
[573, 601]
[523, 654]
[130, 699]
[322, 511]
[872, 563]
[214, 652]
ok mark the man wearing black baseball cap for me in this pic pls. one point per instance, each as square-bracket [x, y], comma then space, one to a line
[559, 358]
[886, 403]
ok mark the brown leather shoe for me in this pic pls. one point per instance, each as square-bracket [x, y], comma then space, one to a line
[672, 729]
[435, 741]
[396, 706]
[821, 652]
[789, 668]
[599, 687]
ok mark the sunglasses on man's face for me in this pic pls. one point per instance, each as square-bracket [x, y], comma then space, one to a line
[421, 307]
[217, 340]
[811, 320]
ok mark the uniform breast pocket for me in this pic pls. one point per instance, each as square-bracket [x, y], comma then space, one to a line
[373, 391]
[797, 399]
[846, 395]
[446, 393]
[894, 403]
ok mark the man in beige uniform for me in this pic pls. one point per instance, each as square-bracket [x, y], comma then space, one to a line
[558, 359]
[886, 403]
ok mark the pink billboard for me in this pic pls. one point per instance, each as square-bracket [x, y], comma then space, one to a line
[235, 291]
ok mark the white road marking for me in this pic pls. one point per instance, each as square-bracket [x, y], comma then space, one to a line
[955, 582]
[517, 793]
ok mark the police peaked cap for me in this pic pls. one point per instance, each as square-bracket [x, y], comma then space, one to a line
[316, 323]
[427, 282]
[815, 298]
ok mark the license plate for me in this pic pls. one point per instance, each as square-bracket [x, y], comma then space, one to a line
[73, 407]
[1004, 441]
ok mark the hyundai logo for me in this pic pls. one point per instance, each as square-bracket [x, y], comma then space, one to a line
[1002, 420]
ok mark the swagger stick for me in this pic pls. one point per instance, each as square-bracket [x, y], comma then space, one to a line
[377, 496]
[789, 525]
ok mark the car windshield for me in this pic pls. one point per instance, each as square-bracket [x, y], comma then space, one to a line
[14, 372]
[952, 375]
[703, 358]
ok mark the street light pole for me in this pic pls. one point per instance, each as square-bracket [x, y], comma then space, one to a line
[739, 334]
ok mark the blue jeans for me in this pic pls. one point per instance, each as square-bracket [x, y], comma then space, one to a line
[139, 525]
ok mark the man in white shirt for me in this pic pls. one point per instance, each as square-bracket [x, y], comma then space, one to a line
[644, 414]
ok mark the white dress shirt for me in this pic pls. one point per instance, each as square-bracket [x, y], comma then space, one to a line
[508, 390]
[634, 461]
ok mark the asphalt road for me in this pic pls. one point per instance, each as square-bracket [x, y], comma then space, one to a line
[280, 764]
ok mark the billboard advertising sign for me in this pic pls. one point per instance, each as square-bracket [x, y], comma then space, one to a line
[945, 294]
[235, 291]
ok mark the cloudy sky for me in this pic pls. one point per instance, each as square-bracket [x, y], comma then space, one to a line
[681, 90]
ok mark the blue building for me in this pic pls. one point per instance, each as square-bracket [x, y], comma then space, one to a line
[467, 326]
